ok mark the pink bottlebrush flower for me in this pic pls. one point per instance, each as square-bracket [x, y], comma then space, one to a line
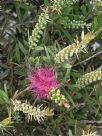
[42, 80]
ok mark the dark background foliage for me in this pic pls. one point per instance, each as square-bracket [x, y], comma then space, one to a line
[17, 20]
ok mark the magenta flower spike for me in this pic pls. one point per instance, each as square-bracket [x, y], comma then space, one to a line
[42, 80]
[44, 84]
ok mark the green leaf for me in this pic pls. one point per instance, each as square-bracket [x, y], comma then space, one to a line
[17, 53]
[65, 65]
[23, 50]
[19, 13]
[100, 99]
[4, 74]
[68, 35]
[46, 2]
[50, 52]
[84, 10]
[95, 23]
[6, 121]
[37, 50]
[3, 98]
[3, 65]
[70, 98]
[70, 133]
[47, 53]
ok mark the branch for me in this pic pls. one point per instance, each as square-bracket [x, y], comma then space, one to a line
[88, 59]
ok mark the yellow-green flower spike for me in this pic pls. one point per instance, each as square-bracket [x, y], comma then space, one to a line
[38, 30]
[58, 5]
[36, 113]
[89, 78]
[68, 52]
[56, 96]
[88, 37]
[89, 133]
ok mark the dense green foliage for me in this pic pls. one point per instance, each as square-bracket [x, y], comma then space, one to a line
[65, 35]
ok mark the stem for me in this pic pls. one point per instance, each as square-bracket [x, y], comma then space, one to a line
[88, 59]
[23, 91]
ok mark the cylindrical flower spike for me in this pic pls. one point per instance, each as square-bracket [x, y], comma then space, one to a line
[38, 30]
[56, 96]
[32, 112]
[89, 78]
[90, 133]
[42, 80]
[88, 37]
[58, 5]
[68, 52]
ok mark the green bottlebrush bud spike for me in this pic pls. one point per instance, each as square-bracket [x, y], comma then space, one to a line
[56, 96]
[89, 78]
[74, 24]
[32, 112]
[38, 30]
